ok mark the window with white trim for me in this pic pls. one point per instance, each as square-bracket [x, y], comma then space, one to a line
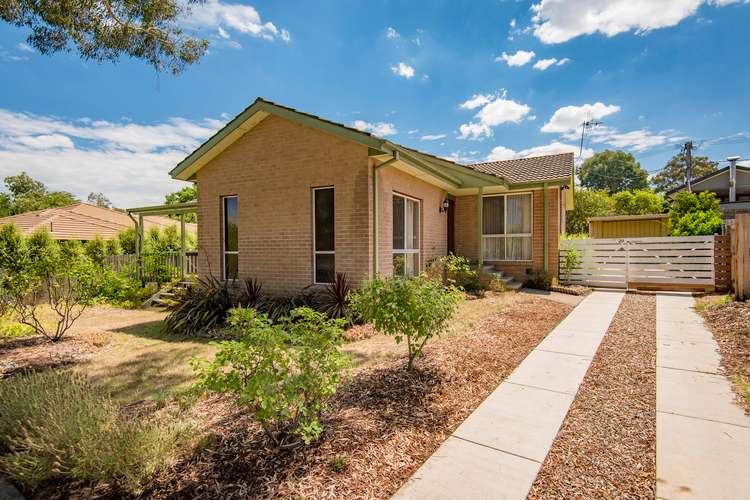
[324, 237]
[230, 238]
[506, 227]
[406, 242]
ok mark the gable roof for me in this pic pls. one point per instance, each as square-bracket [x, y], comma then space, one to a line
[84, 222]
[532, 169]
[706, 177]
[455, 175]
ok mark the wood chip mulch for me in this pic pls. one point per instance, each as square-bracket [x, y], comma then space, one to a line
[385, 422]
[606, 447]
[730, 324]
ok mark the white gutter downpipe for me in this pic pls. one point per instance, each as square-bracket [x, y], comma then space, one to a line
[375, 210]
[733, 178]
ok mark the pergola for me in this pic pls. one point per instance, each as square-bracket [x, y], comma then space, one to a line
[172, 209]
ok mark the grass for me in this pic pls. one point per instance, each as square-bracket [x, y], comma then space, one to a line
[10, 329]
[710, 302]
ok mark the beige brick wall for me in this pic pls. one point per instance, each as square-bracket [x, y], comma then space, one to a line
[433, 223]
[272, 169]
[467, 233]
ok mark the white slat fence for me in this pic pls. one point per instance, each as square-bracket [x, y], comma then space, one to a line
[616, 263]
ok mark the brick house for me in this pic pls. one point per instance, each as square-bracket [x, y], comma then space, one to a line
[290, 198]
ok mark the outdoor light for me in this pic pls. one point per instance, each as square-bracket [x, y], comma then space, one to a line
[445, 206]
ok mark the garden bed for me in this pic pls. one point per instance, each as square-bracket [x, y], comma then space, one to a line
[385, 420]
[730, 323]
[606, 447]
[571, 289]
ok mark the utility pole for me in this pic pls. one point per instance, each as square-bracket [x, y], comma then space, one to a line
[688, 149]
[585, 125]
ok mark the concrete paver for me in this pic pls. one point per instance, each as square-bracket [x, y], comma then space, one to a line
[498, 451]
[702, 437]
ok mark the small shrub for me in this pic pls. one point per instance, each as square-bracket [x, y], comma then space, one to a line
[120, 290]
[456, 270]
[253, 291]
[333, 298]
[415, 309]
[539, 280]
[571, 261]
[200, 308]
[285, 372]
[339, 464]
[56, 425]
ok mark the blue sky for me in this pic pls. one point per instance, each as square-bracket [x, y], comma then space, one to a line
[454, 78]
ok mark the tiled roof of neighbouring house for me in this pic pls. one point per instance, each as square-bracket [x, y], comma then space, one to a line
[84, 222]
[534, 169]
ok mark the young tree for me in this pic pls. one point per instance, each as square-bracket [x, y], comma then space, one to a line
[640, 202]
[106, 30]
[184, 195]
[613, 171]
[695, 214]
[674, 174]
[587, 203]
[99, 200]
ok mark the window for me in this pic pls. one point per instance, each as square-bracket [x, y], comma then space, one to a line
[230, 242]
[506, 227]
[405, 236]
[324, 256]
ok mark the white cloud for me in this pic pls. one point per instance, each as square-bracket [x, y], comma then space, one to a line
[392, 33]
[494, 110]
[432, 137]
[520, 58]
[413, 131]
[127, 161]
[464, 157]
[403, 69]
[213, 14]
[223, 33]
[563, 61]
[543, 64]
[513, 23]
[569, 118]
[635, 140]
[557, 21]
[499, 153]
[381, 129]
[24, 47]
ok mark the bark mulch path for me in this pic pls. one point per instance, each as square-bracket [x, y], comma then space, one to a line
[385, 421]
[730, 324]
[606, 447]
[36, 353]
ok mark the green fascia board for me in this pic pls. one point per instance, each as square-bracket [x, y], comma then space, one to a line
[167, 209]
[321, 124]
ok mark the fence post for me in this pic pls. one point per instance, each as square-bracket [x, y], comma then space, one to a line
[182, 245]
[741, 256]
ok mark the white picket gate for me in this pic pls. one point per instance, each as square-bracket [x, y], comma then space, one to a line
[627, 262]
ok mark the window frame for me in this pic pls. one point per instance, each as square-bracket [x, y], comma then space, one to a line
[507, 235]
[224, 251]
[315, 251]
[404, 251]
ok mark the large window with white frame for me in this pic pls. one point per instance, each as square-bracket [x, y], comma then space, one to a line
[406, 235]
[324, 236]
[506, 227]
[230, 238]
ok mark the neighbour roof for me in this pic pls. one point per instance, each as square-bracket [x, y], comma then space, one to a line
[83, 222]
[539, 169]
[533, 169]
[706, 177]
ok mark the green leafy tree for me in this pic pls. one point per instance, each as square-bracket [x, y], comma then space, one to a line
[96, 250]
[26, 194]
[99, 200]
[674, 174]
[286, 372]
[184, 195]
[587, 203]
[414, 309]
[695, 214]
[36, 272]
[126, 241]
[109, 29]
[613, 171]
[640, 202]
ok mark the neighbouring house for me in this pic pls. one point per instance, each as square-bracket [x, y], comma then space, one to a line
[84, 222]
[629, 226]
[731, 185]
[291, 199]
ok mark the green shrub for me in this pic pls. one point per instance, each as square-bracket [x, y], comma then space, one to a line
[539, 280]
[55, 425]
[200, 308]
[695, 214]
[96, 250]
[285, 372]
[415, 309]
[456, 270]
[10, 329]
[570, 262]
[120, 290]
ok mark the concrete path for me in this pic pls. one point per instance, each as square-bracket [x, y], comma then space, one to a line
[702, 436]
[498, 451]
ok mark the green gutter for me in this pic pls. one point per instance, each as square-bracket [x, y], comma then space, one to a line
[546, 228]
[480, 226]
[375, 209]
